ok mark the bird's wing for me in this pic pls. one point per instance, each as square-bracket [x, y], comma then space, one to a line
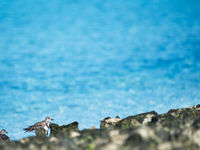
[39, 124]
[35, 126]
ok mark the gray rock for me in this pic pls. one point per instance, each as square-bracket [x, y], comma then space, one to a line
[109, 122]
[138, 120]
[178, 129]
[64, 130]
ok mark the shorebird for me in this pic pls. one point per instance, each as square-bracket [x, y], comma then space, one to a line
[42, 124]
[3, 136]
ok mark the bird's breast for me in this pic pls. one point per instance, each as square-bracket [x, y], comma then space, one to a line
[46, 127]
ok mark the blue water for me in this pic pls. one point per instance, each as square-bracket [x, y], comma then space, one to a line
[79, 60]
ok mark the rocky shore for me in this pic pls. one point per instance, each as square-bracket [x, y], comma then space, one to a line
[178, 129]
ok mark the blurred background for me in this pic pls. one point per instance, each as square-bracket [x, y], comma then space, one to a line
[78, 60]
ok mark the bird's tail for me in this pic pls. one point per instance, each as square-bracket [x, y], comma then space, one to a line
[29, 129]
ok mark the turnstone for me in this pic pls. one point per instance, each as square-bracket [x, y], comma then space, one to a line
[42, 124]
[3, 136]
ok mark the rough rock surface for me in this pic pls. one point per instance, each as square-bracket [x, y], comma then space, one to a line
[65, 130]
[109, 122]
[178, 129]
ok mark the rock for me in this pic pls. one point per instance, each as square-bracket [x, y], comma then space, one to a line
[54, 129]
[64, 130]
[109, 122]
[196, 123]
[138, 120]
[135, 141]
[178, 129]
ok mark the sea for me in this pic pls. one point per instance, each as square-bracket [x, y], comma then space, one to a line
[78, 60]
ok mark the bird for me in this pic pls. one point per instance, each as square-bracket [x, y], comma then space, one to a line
[3, 136]
[40, 125]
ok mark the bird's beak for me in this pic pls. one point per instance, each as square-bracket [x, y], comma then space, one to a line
[52, 119]
[6, 132]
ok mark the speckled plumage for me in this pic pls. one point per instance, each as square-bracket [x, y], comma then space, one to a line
[42, 124]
